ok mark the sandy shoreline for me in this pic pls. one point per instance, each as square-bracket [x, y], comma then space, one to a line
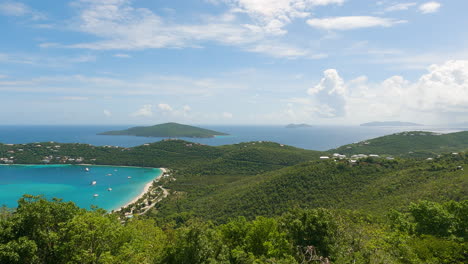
[144, 191]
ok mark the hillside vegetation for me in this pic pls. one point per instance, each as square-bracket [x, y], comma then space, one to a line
[166, 130]
[42, 231]
[372, 185]
[409, 144]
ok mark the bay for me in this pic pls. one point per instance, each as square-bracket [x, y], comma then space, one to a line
[74, 183]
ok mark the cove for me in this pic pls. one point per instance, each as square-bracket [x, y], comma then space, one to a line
[108, 187]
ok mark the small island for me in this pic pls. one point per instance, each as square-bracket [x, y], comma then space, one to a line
[166, 130]
[391, 123]
[298, 125]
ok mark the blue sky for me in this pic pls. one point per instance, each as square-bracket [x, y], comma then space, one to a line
[233, 61]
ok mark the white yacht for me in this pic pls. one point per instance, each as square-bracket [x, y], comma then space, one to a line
[93, 182]
[96, 195]
[109, 189]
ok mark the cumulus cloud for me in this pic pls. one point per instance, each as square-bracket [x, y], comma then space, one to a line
[352, 22]
[439, 93]
[165, 107]
[144, 111]
[429, 7]
[329, 95]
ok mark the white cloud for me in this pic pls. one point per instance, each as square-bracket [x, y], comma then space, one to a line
[144, 111]
[400, 7]
[329, 95]
[429, 7]
[122, 55]
[439, 94]
[12, 8]
[187, 108]
[48, 61]
[107, 113]
[3, 76]
[352, 22]
[271, 16]
[284, 51]
[227, 115]
[165, 107]
[140, 28]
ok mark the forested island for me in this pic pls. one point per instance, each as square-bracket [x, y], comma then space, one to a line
[258, 202]
[172, 130]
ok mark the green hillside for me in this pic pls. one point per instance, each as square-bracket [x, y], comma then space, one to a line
[409, 144]
[166, 130]
[372, 185]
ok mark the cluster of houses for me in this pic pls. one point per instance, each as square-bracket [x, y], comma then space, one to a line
[353, 158]
[7, 160]
[64, 159]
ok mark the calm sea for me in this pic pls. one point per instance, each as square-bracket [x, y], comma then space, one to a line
[73, 183]
[316, 138]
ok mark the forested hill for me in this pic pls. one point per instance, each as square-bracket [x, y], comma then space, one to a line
[166, 130]
[373, 185]
[409, 144]
[175, 154]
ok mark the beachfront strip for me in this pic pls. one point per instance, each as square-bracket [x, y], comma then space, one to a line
[151, 194]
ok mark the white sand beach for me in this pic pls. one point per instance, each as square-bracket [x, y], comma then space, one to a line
[145, 189]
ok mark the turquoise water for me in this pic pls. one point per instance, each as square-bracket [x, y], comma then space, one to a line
[73, 183]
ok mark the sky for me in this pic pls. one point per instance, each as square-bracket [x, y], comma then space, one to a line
[252, 62]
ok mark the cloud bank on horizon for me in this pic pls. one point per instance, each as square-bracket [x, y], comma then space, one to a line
[233, 61]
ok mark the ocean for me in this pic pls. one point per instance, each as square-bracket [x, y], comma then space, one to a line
[74, 183]
[315, 138]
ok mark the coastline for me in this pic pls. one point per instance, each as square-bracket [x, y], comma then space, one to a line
[143, 192]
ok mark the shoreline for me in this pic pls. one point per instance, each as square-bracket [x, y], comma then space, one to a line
[91, 165]
[143, 192]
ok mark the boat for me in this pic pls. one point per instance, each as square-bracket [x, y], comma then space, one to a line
[86, 169]
[129, 177]
[109, 174]
[93, 182]
[96, 195]
[109, 189]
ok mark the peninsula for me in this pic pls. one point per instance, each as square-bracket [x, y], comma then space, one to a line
[166, 130]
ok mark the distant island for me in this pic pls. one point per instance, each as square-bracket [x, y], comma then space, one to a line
[297, 125]
[391, 123]
[166, 130]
